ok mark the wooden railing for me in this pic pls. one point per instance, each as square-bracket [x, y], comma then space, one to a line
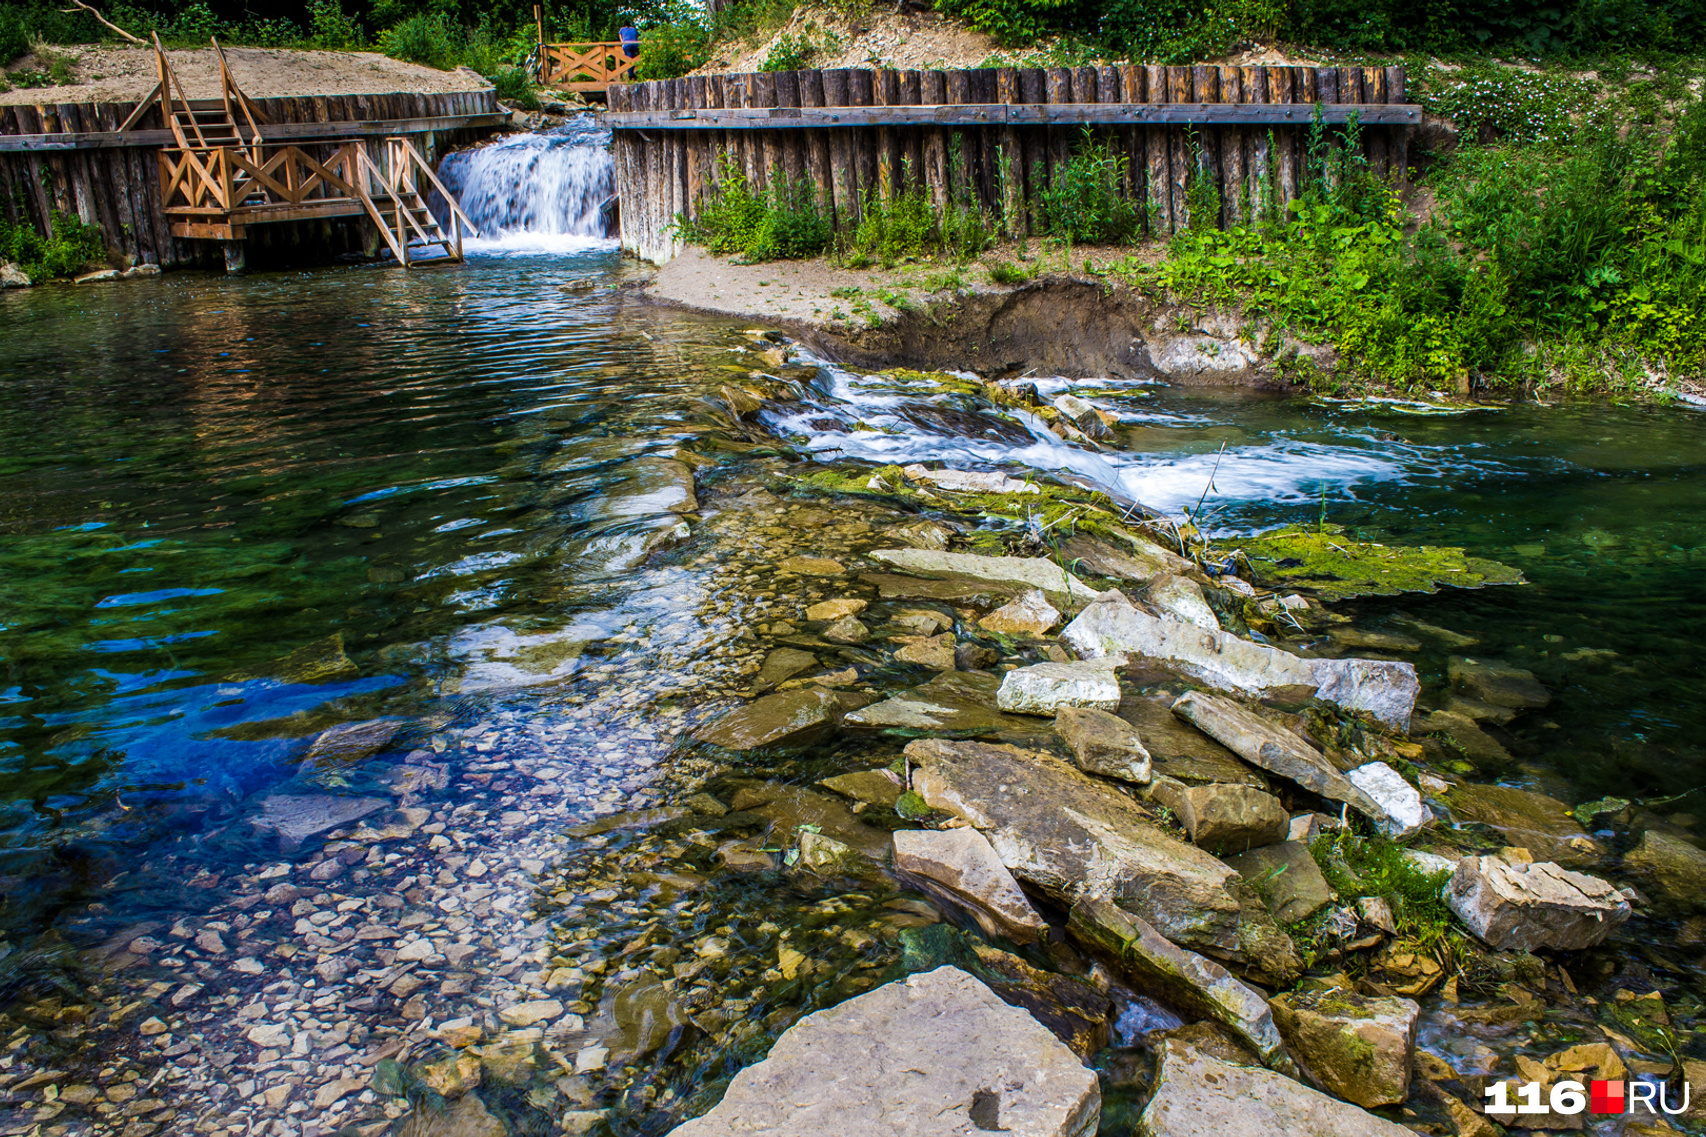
[583, 66]
[403, 212]
[221, 179]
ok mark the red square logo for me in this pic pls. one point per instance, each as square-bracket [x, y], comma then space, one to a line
[1605, 1097]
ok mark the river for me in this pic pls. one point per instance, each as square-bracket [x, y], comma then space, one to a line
[238, 512]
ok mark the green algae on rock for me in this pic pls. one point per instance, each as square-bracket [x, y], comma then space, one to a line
[1338, 569]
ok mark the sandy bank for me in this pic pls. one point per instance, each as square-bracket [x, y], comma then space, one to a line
[117, 74]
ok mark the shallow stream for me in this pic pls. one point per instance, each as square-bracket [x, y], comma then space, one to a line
[237, 512]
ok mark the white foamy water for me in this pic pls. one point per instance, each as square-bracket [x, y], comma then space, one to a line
[536, 193]
[890, 421]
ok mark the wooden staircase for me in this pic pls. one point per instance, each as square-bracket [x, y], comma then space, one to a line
[206, 123]
[399, 207]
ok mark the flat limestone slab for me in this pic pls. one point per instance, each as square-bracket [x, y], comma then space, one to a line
[1198, 1095]
[912, 1058]
[1113, 626]
[1029, 572]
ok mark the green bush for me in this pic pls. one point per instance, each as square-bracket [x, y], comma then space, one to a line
[515, 86]
[14, 37]
[800, 51]
[1488, 101]
[669, 51]
[1084, 202]
[424, 39]
[783, 221]
[330, 28]
[72, 246]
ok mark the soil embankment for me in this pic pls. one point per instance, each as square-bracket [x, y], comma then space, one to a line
[1074, 326]
[124, 74]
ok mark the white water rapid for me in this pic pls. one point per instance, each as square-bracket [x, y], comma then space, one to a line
[536, 193]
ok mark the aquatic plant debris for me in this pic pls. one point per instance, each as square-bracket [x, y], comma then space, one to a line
[1336, 568]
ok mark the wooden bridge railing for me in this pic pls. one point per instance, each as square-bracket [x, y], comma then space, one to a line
[583, 66]
[221, 179]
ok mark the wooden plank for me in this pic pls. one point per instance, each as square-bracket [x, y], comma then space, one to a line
[1157, 148]
[962, 148]
[1110, 91]
[1234, 142]
[1180, 153]
[844, 175]
[1399, 145]
[1281, 87]
[1027, 115]
[933, 91]
[697, 144]
[912, 137]
[1009, 89]
[1057, 90]
[1033, 90]
[1374, 139]
[817, 157]
[793, 145]
[763, 89]
[886, 92]
[1205, 81]
[1259, 155]
[861, 92]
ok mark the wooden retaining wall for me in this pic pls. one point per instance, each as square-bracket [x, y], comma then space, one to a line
[71, 158]
[992, 137]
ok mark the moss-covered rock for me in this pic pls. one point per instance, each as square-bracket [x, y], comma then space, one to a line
[1337, 568]
[1351, 1045]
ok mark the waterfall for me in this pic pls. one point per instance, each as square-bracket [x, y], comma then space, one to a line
[536, 193]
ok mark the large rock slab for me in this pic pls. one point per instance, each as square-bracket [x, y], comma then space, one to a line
[1287, 878]
[1179, 751]
[1198, 1095]
[1114, 627]
[1074, 837]
[1182, 979]
[1025, 572]
[1181, 598]
[1672, 868]
[1104, 744]
[932, 1055]
[297, 817]
[1225, 818]
[1514, 906]
[1029, 615]
[1402, 810]
[1355, 1046]
[1044, 688]
[964, 864]
[350, 742]
[784, 719]
[1543, 825]
[949, 706]
[1138, 562]
[1260, 742]
[1497, 683]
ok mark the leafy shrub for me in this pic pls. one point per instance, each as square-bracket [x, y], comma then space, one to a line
[798, 52]
[72, 246]
[14, 37]
[669, 51]
[424, 39]
[515, 86]
[194, 23]
[782, 221]
[330, 28]
[903, 226]
[1084, 202]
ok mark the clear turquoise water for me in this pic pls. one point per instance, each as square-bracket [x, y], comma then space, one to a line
[201, 475]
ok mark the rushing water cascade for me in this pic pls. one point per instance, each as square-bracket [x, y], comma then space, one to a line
[536, 193]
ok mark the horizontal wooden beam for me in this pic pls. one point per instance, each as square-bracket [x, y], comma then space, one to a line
[1029, 114]
[270, 132]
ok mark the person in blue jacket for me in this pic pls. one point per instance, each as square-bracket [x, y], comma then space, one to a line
[630, 38]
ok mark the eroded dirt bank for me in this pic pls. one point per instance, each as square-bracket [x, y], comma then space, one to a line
[1073, 326]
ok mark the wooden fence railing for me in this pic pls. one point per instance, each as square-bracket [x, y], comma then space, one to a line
[996, 138]
[583, 66]
[222, 179]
